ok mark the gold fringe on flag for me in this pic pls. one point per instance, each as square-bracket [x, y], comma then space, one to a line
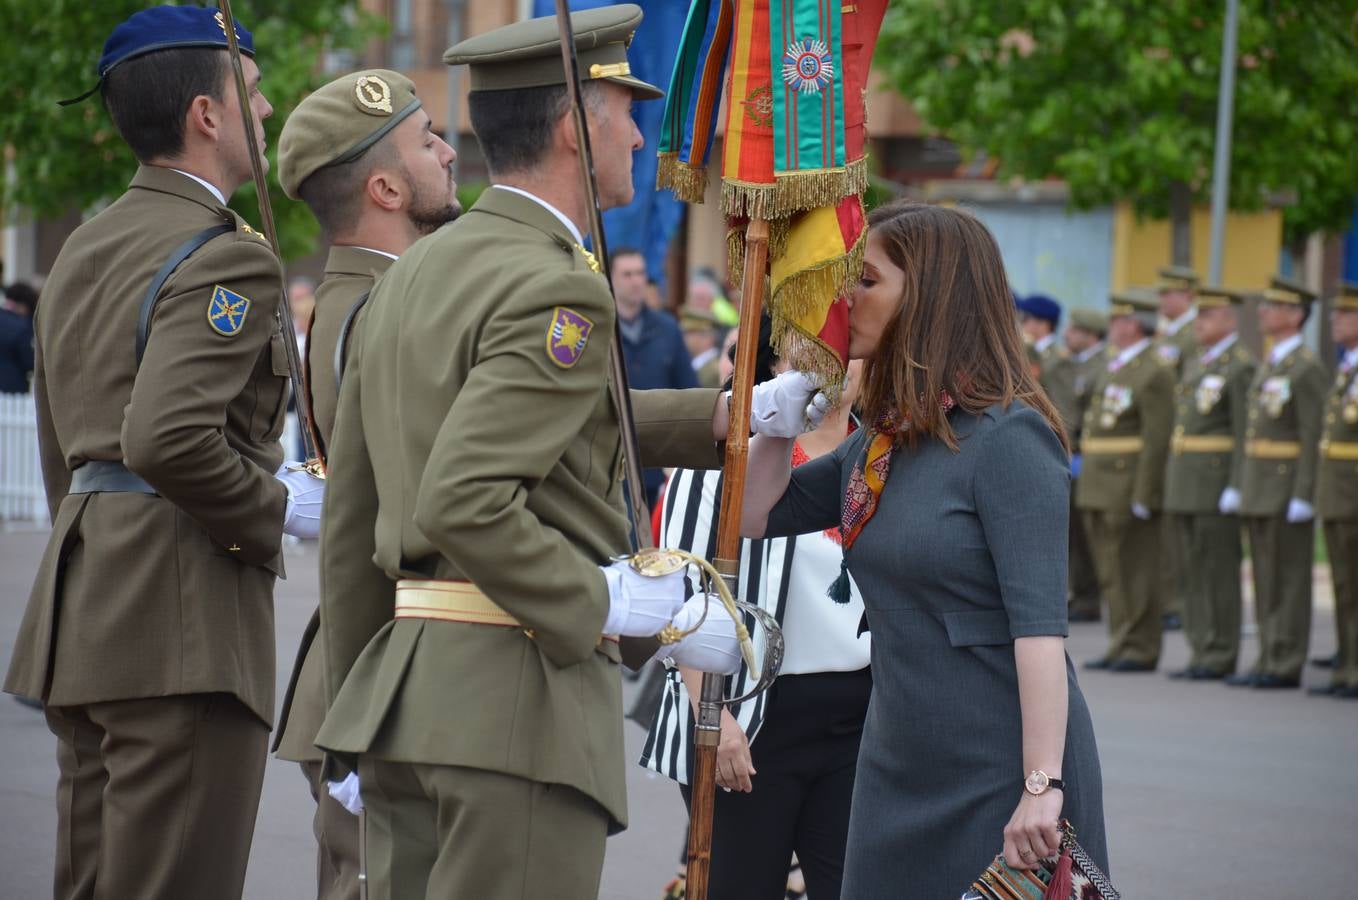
[687, 181]
[779, 229]
[812, 357]
[803, 292]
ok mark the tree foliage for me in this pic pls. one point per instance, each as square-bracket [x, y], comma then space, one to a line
[1119, 97]
[71, 157]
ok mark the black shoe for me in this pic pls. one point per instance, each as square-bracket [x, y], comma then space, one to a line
[1273, 682]
[1243, 679]
[1348, 693]
[1206, 674]
[1171, 622]
[1098, 663]
[1327, 690]
[1189, 674]
[1083, 615]
[1325, 662]
[31, 704]
[1131, 665]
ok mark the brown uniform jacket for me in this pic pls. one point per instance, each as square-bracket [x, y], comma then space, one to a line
[1178, 348]
[1125, 436]
[476, 440]
[1282, 438]
[349, 274]
[1057, 376]
[1207, 450]
[1337, 486]
[142, 595]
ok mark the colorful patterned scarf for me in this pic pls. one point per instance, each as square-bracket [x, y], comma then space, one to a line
[866, 482]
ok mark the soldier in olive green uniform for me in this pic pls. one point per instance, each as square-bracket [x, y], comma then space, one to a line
[161, 390]
[1124, 443]
[1282, 447]
[468, 610]
[1202, 486]
[360, 152]
[1175, 345]
[1039, 316]
[1337, 494]
[1088, 359]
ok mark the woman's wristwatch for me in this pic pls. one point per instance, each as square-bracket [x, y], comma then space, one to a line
[1039, 782]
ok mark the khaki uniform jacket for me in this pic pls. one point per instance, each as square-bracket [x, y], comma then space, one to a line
[1178, 348]
[1282, 438]
[1085, 374]
[1057, 377]
[476, 430]
[1211, 406]
[141, 595]
[349, 274]
[1131, 412]
[1337, 490]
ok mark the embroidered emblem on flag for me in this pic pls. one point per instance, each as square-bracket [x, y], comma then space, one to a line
[807, 66]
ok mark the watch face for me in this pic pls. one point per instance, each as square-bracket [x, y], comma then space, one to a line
[1037, 782]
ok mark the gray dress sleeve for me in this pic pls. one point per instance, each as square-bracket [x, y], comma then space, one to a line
[1022, 495]
[812, 499]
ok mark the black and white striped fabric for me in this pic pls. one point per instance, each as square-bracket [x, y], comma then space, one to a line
[688, 524]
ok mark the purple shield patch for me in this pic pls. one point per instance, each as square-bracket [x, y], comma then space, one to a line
[567, 336]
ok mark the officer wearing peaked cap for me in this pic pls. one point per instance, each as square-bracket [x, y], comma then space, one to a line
[1278, 483]
[470, 616]
[1202, 486]
[1337, 494]
[360, 152]
[161, 390]
[1124, 441]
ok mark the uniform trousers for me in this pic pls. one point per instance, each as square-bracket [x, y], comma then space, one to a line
[157, 797]
[1341, 544]
[1282, 554]
[336, 830]
[454, 833]
[1207, 556]
[1084, 577]
[1127, 556]
[1171, 582]
[805, 756]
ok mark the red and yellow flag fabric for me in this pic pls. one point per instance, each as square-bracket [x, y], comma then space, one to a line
[795, 75]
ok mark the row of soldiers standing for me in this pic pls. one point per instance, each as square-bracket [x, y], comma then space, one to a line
[1185, 444]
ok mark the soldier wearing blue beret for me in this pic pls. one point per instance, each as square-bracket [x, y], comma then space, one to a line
[161, 386]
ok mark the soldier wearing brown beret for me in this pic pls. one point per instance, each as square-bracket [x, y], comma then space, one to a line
[362, 155]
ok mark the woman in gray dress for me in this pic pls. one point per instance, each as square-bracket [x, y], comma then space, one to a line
[953, 508]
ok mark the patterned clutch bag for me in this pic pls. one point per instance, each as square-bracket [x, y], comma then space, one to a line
[1072, 875]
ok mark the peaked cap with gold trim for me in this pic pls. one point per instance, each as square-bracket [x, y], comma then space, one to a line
[1285, 290]
[1214, 295]
[528, 54]
[339, 121]
[1177, 278]
[1131, 301]
[1347, 296]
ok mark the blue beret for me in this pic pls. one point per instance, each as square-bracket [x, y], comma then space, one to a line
[168, 27]
[1040, 306]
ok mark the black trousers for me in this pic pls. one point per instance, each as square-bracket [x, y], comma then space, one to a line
[805, 755]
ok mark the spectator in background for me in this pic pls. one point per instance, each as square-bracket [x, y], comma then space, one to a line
[701, 337]
[652, 347]
[706, 293]
[16, 337]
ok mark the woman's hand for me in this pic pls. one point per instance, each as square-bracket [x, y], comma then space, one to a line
[734, 766]
[1032, 832]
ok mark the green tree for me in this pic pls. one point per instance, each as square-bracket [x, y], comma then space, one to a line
[1118, 98]
[71, 157]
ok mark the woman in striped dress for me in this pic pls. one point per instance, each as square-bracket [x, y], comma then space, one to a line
[787, 757]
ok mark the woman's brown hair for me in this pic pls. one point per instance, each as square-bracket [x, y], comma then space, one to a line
[955, 328]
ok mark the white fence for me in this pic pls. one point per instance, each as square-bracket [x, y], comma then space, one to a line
[22, 497]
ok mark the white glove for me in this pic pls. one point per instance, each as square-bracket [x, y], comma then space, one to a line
[346, 793]
[1299, 511]
[1140, 511]
[640, 605]
[1229, 504]
[713, 647]
[783, 406]
[305, 493]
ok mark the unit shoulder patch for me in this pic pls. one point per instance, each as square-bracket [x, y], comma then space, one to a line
[566, 336]
[226, 311]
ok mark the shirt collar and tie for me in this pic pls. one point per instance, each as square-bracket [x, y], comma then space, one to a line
[1087, 354]
[1218, 348]
[205, 183]
[1350, 360]
[1128, 354]
[1281, 349]
[570, 226]
[1042, 343]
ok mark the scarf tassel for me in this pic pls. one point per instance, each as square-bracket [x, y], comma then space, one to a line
[840, 590]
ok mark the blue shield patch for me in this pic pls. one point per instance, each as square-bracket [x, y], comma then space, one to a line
[226, 311]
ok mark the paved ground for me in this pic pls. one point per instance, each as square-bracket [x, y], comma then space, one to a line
[1210, 792]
